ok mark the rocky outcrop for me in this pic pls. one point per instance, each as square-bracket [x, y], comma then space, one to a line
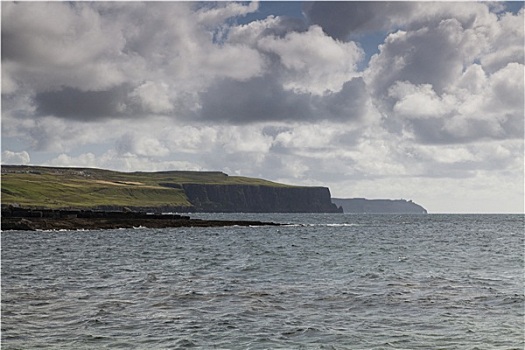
[259, 199]
[35, 224]
[378, 206]
[24, 219]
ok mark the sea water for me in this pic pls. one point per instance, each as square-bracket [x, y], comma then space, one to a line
[326, 281]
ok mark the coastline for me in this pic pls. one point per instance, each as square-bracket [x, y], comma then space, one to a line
[46, 219]
[36, 224]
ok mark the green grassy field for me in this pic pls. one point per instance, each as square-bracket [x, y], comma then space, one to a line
[49, 187]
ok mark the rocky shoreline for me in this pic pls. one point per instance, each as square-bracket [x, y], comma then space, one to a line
[36, 224]
[46, 219]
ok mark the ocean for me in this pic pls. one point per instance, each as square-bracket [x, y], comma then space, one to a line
[325, 281]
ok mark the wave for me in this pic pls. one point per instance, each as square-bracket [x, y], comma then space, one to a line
[324, 225]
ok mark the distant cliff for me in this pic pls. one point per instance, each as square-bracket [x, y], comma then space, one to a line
[259, 199]
[378, 206]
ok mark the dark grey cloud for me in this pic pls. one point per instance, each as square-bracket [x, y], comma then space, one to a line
[258, 99]
[274, 130]
[70, 103]
[264, 99]
[284, 26]
[11, 47]
[424, 57]
[340, 19]
[442, 130]
[347, 104]
[435, 130]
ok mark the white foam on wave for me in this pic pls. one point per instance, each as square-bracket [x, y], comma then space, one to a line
[323, 225]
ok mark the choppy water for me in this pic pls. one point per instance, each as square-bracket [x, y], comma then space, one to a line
[329, 282]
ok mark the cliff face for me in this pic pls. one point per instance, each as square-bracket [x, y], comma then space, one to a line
[378, 206]
[259, 199]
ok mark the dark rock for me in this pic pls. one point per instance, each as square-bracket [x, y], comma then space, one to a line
[26, 220]
[33, 224]
[259, 199]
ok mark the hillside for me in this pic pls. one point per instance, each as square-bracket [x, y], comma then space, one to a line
[378, 206]
[89, 188]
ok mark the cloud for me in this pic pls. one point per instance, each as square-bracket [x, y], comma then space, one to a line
[153, 97]
[170, 67]
[49, 45]
[491, 109]
[70, 103]
[9, 157]
[217, 15]
[258, 99]
[104, 60]
[306, 67]
[417, 101]
[340, 19]
[141, 145]
[271, 26]
[344, 19]
[431, 83]
[112, 160]
[265, 99]
[87, 160]
[506, 44]
[426, 56]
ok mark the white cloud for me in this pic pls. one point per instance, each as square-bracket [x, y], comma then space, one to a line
[310, 137]
[153, 97]
[9, 157]
[506, 44]
[506, 89]
[473, 80]
[250, 33]
[217, 15]
[218, 62]
[51, 134]
[113, 160]
[313, 61]
[244, 139]
[191, 139]
[8, 84]
[87, 160]
[417, 101]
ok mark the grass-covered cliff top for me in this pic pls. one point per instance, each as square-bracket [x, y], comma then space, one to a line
[56, 187]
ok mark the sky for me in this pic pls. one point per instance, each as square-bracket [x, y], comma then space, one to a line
[401, 100]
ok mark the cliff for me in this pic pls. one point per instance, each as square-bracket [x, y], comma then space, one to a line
[259, 199]
[378, 206]
[37, 187]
